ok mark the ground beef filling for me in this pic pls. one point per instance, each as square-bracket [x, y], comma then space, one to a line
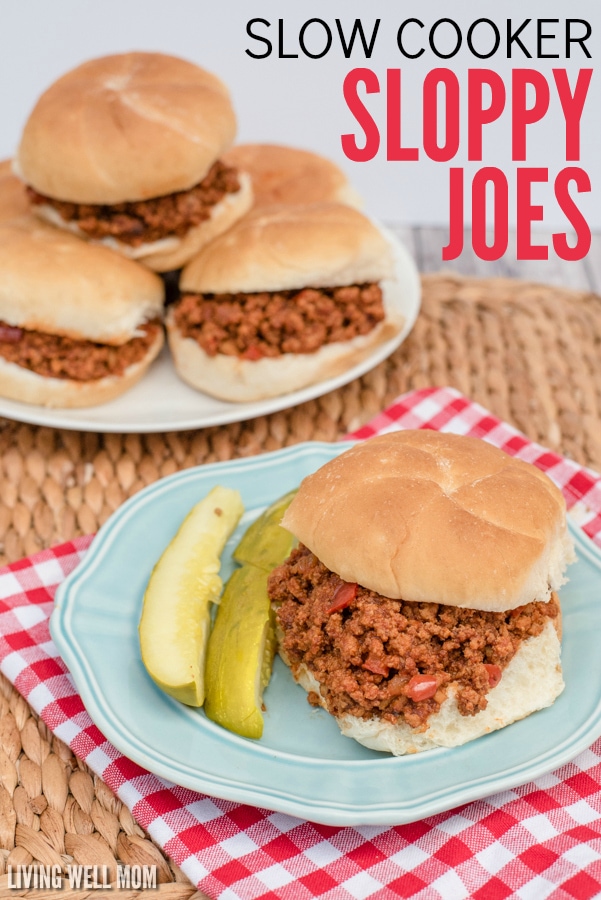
[143, 221]
[366, 654]
[62, 357]
[253, 326]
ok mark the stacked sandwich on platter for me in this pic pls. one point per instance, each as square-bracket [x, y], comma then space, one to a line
[126, 169]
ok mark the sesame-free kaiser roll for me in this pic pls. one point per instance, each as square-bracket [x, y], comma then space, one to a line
[79, 324]
[125, 149]
[289, 296]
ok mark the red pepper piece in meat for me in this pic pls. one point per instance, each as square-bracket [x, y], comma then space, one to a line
[495, 673]
[372, 664]
[9, 334]
[253, 353]
[344, 595]
[421, 687]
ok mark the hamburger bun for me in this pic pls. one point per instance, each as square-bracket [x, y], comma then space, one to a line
[438, 519]
[129, 126]
[283, 174]
[13, 198]
[451, 520]
[58, 285]
[53, 282]
[284, 248]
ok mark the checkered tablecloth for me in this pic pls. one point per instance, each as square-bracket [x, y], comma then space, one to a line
[537, 841]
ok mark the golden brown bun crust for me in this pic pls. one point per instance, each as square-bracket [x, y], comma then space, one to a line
[289, 175]
[13, 199]
[426, 516]
[18, 383]
[54, 282]
[285, 247]
[126, 127]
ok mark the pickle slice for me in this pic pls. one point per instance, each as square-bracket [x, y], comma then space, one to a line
[242, 642]
[240, 653]
[265, 543]
[175, 620]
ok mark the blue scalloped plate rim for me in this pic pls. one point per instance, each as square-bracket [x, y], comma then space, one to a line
[302, 766]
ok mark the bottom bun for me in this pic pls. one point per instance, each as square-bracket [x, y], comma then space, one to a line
[243, 381]
[19, 383]
[171, 253]
[531, 681]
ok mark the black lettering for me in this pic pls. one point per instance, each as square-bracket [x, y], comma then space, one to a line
[399, 39]
[347, 49]
[433, 32]
[577, 40]
[541, 36]
[281, 53]
[516, 37]
[301, 38]
[495, 45]
[257, 37]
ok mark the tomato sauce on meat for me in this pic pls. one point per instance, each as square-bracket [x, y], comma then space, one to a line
[391, 658]
[268, 324]
[143, 221]
[55, 356]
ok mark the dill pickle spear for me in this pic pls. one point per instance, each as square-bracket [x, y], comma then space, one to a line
[175, 620]
[240, 653]
[266, 544]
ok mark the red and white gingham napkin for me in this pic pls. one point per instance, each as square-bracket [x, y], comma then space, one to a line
[540, 840]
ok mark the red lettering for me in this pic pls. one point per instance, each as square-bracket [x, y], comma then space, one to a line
[527, 213]
[572, 106]
[455, 246]
[478, 115]
[433, 149]
[575, 217]
[357, 107]
[496, 178]
[395, 150]
[522, 114]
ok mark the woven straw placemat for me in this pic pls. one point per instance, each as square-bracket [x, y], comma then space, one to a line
[529, 353]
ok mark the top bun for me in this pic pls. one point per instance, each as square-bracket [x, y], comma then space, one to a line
[425, 516]
[54, 282]
[126, 127]
[13, 198]
[289, 175]
[284, 247]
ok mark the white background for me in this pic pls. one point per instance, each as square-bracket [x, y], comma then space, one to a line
[300, 101]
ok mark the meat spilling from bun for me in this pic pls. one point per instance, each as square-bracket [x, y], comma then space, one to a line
[270, 323]
[79, 324]
[142, 222]
[421, 607]
[125, 149]
[289, 296]
[55, 356]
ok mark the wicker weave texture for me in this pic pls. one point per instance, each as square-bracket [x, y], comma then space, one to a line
[530, 353]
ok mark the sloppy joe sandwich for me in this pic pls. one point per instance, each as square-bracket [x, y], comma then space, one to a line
[79, 324]
[282, 174]
[420, 607]
[126, 150]
[291, 295]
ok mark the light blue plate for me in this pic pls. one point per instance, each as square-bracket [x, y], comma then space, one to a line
[302, 765]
